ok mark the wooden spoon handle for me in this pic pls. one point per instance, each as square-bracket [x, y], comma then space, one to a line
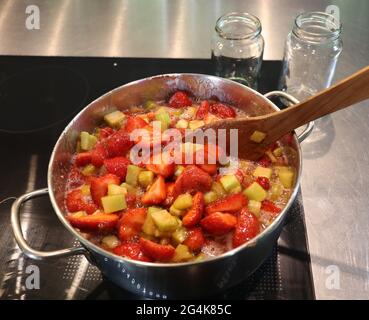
[345, 93]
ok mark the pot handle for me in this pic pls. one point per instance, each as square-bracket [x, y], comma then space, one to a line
[18, 234]
[309, 127]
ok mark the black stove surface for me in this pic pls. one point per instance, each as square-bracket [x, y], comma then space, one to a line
[38, 97]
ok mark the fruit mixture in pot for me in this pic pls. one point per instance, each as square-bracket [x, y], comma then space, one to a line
[161, 211]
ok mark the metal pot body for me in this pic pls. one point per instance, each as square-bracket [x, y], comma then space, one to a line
[159, 280]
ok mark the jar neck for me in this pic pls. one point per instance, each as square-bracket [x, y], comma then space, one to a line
[238, 26]
[317, 27]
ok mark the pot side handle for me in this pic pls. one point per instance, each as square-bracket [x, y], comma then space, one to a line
[309, 127]
[18, 234]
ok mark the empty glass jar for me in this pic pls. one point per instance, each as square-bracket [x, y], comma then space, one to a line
[311, 53]
[237, 48]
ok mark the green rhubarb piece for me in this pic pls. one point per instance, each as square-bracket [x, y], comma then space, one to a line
[128, 187]
[275, 191]
[210, 197]
[113, 189]
[278, 151]
[286, 176]
[176, 212]
[149, 227]
[110, 241]
[114, 119]
[179, 170]
[113, 203]
[149, 104]
[255, 192]
[85, 189]
[164, 221]
[183, 201]
[88, 141]
[263, 172]
[218, 189]
[79, 214]
[237, 189]
[254, 206]
[182, 124]
[163, 116]
[229, 182]
[257, 136]
[182, 253]
[145, 178]
[132, 175]
[196, 124]
[88, 170]
[179, 235]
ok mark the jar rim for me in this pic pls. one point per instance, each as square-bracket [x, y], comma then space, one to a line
[332, 30]
[248, 18]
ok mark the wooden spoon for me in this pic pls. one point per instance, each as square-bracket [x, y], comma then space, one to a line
[343, 94]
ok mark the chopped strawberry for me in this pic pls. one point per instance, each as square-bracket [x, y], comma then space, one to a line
[117, 166]
[99, 186]
[270, 207]
[131, 200]
[247, 227]
[179, 99]
[239, 175]
[105, 132]
[82, 159]
[131, 222]
[156, 193]
[264, 182]
[134, 123]
[94, 222]
[194, 215]
[232, 203]
[131, 250]
[76, 178]
[159, 165]
[119, 143]
[170, 195]
[195, 239]
[265, 161]
[218, 223]
[192, 179]
[75, 201]
[203, 110]
[222, 110]
[209, 168]
[156, 251]
[98, 155]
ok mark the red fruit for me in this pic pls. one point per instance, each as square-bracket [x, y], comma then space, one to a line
[75, 201]
[156, 193]
[218, 223]
[232, 203]
[159, 165]
[288, 138]
[94, 222]
[98, 155]
[195, 239]
[222, 110]
[247, 227]
[179, 99]
[192, 179]
[213, 153]
[239, 175]
[270, 207]
[105, 132]
[264, 182]
[119, 143]
[131, 200]
[82, 159]
[131, 222]
[265, 161]
[194, 215]
[132, 251]
[156, 251]
[203, 110]
[134, 123]
[209, 168]
[99, 186]
[170, 195]
[117, 166]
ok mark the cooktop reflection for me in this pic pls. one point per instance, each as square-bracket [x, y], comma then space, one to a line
[63, 87]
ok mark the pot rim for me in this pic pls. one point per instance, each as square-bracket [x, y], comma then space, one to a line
[91, 246]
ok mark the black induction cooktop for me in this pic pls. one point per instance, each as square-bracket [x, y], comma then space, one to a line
[38, 96]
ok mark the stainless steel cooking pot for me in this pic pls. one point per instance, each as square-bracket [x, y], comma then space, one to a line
[161, 280]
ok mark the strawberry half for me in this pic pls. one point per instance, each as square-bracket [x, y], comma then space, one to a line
[156, 193]
[179, 99]
[269, 206]
[232, 203]
[134, 123]
[247, 227]
[264, 182]
[82, 159]
[99, 186]
[75, 201]
[222, 110]
[218, 223]
[203, 110]
[118, 144]
[95, 222]
[156, 251]
[105, 132]
[117, 166]
[131, 222]
[194, 215]
[98, 155]
[131, 250]
[159, 165]
[195, 239]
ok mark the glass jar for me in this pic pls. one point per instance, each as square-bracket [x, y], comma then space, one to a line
[311, 53]
[237, 48]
